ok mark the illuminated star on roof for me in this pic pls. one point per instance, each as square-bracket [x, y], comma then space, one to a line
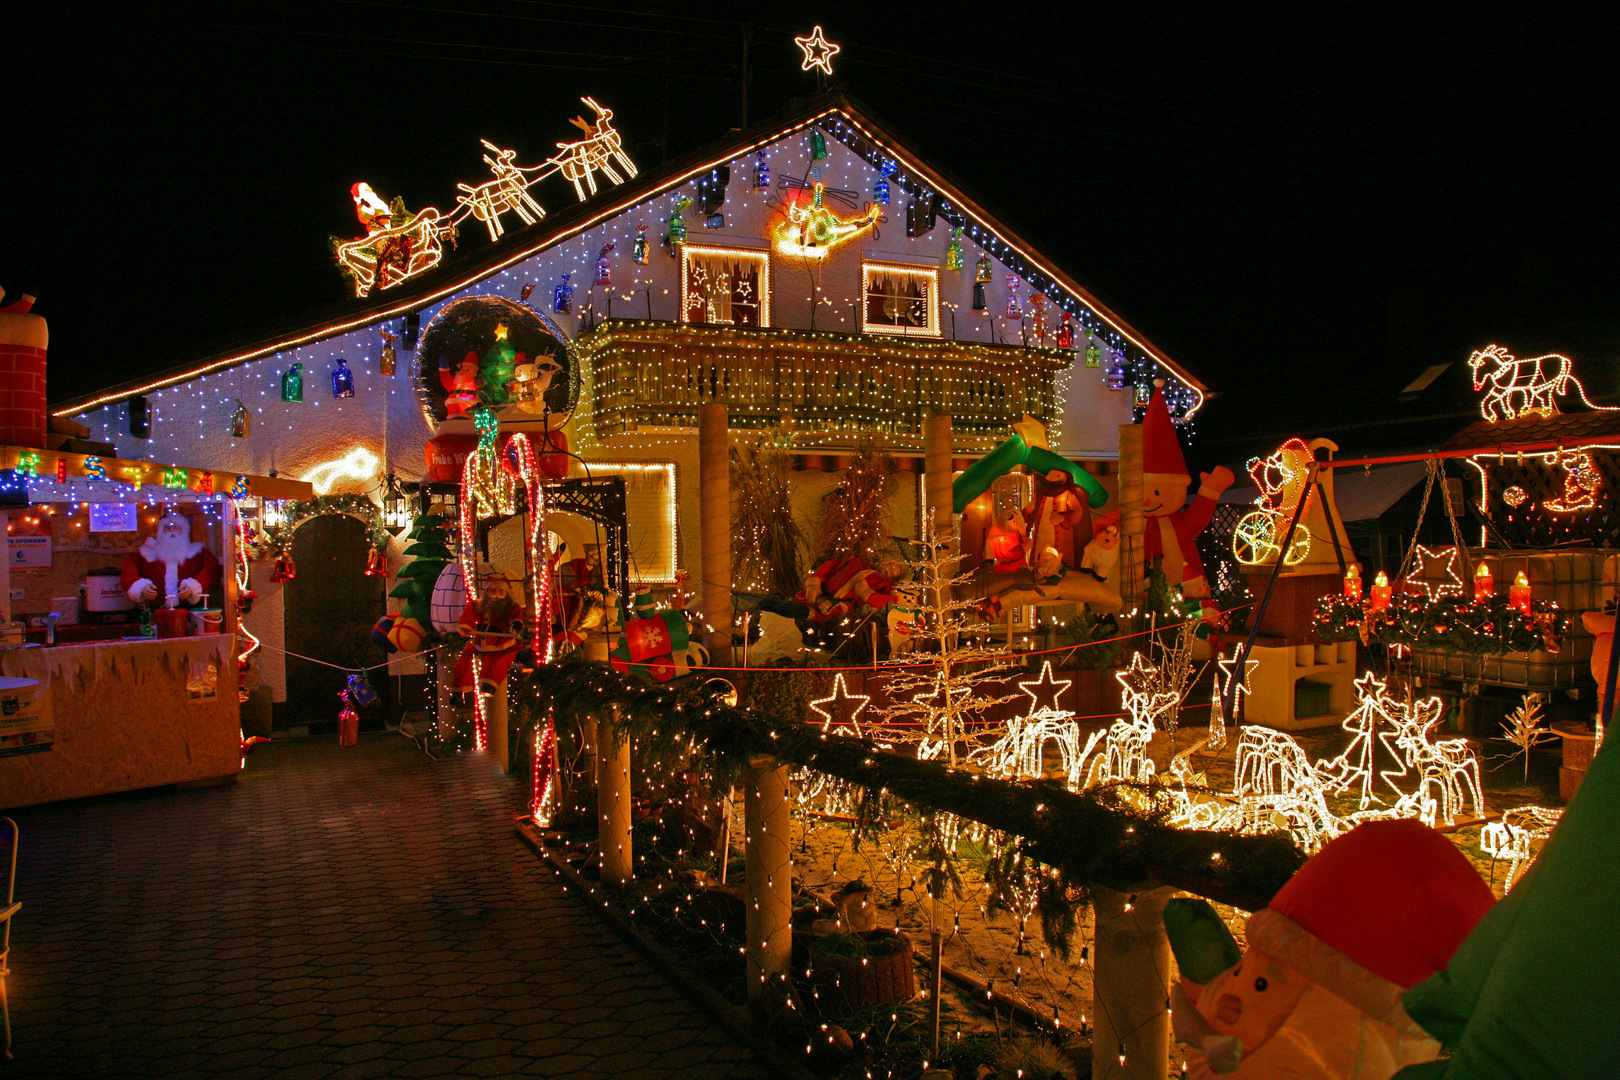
[818, 51]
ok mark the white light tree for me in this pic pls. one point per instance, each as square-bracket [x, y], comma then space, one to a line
[938, 690]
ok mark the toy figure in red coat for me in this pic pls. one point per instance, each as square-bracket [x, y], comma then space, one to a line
[1173, 525]
[493, 627]
[170, 566]
[837, 586]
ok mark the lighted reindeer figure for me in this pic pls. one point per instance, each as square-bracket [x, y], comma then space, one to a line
[508, 191]
[580, 160]
[1447, 771]
[1520, 387]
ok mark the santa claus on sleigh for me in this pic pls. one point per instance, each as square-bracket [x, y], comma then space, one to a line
[170, 566]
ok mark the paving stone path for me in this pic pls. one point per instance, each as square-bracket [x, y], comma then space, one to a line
[338, 913]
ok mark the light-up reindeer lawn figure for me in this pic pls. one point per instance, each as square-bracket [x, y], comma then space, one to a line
[508, 191]
[579, 161]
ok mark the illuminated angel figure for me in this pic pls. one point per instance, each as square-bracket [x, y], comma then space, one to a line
[1581, 483]
[579, 161]
[1282, 479]
[811, 230]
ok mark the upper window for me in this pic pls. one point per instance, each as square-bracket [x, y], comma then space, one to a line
[900, 299]
[725, 285]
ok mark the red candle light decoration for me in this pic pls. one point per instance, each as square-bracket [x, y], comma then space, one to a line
[1484, 584]
[1381, 592]
[1352, 583]
[1519, 593]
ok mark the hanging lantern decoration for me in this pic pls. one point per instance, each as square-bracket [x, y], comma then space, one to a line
[1013, 311]
[762, 173]
[1065, 331]
[377, 563]
[1037, 312]
[385, 359]
[979, 302]
[1093, 353]
[677, 222]
[880, 189]
[241, 422]
[981, 270]
[348, 720]
[283, 569]
[638, 249]
[818, 144]
[604, 267]
[342, 380]
[292, 383]
[562, 297]
[953, 251]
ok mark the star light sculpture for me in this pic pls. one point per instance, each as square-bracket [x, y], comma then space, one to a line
[1445, 561]
[1035, 688]
[818, 51]
[840, 711]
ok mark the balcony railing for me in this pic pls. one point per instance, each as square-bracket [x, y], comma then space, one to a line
[656, 374]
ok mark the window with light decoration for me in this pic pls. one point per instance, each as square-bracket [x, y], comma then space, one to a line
[900, 299]
[725, 286]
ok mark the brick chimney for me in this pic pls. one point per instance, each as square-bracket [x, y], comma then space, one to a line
[23, 338]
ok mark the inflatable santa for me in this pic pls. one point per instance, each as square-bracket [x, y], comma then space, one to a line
[170, 566]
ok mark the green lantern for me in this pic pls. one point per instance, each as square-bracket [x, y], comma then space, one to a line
[292, 384]
[953, 251]
[1093, 354]
[818, 144]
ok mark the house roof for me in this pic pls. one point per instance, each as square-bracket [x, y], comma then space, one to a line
[1599, 425]
[836, 113]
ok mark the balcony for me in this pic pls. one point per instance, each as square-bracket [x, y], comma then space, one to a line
[655, 375]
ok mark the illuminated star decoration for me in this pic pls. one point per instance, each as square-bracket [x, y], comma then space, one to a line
[1226, 676]
[1446, 561]
[840, 717]
[1032, 431]
[1035, 687]
[818, 51]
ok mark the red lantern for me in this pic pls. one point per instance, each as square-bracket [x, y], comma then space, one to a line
[377, 563]
[284, 570]
[348, 722]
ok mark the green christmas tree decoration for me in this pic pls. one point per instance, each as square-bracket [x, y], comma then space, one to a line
[429, 554]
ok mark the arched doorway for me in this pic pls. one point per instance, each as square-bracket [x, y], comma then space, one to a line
[331, 607]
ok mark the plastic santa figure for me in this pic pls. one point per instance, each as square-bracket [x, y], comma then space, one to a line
[1319, 991]
[170, 567]
[493, 627]
[1173, 524]
[837, 586]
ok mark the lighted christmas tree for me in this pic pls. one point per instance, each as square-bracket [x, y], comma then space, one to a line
[429, 553]
[936, 691]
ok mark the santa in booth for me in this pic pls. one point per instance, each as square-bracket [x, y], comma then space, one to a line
[493, 627]
[170, 566]
[1173, 524]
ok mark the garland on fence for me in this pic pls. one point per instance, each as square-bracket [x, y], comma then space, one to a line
[1487, 628]
[278, 538]
[1091, 837]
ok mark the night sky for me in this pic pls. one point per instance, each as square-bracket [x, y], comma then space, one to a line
[1304, 210]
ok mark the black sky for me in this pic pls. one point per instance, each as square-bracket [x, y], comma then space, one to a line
[1298, 204]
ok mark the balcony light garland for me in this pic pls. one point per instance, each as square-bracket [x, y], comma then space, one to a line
[1087, 836]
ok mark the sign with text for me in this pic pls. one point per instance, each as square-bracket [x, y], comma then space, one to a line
[30, 552]
[113, 517]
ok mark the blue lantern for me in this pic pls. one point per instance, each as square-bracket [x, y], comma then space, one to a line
[342, 380]
[562, 297]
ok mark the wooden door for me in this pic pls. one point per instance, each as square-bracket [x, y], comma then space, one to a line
[331, 607]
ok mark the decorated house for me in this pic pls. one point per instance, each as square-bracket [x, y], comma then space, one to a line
[812, 273]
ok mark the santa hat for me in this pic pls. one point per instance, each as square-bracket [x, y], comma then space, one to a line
[1104, 520]
[1375, 912]
[1161, 450]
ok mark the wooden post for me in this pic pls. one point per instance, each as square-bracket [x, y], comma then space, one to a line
[714, 496]
[1131, 985]
[498, 720]
[937, 472]
[613, 804]
[768, 851]
[1132, 522]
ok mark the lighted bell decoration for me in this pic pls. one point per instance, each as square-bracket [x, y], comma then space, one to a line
[953, 251]
[1065, 331]
[1381, 592]
[638, 249]
[292, 383]
[376, 564]
[284, 569]
[342, 380]
[762, 173]
[1352, 583]
[818, 144]
[1484, 584]
[562, 297]
[604, 266]
[241, 422]
[1519, 594]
